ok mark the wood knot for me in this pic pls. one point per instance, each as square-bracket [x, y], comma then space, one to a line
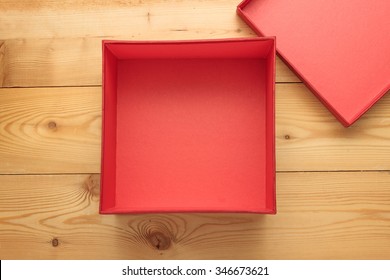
[287, 137]
[159, 232]
[159, 240]
[55, 242]
[52, 125]
[92, 185]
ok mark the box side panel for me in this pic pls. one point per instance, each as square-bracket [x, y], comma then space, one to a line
[201, 49]
[270, 131]
[108, 165]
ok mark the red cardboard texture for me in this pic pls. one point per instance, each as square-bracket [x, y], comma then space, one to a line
[188, 126]
[340, 49]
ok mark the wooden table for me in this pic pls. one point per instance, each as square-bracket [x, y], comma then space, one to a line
[333, 183]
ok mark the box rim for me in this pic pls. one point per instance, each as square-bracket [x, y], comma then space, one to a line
[271, 210]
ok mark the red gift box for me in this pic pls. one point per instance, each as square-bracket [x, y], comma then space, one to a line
[340, 49]
[188, 126]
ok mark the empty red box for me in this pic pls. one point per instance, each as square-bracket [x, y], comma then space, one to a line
[340, 49]
[188, 126]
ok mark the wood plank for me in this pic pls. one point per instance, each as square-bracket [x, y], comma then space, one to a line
[45, 130]
[95, 18]
[67, 62]
[308, 137]
[57, 130]
[51, 62]
[331, 215]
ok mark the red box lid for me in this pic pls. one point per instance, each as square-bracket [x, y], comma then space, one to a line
[340, 49]
[188, 126]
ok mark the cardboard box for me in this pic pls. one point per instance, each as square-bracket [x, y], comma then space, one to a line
[340, 49]
[188, 126]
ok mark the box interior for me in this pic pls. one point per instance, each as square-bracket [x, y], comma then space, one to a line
[188, 127]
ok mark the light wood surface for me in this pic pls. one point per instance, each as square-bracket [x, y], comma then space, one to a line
[58, 130]
[321, 215]
[333, 183]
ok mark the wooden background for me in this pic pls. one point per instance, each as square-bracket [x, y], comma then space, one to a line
[333, 183]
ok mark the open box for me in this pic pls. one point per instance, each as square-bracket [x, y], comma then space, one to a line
[188, 126]
[340, 49]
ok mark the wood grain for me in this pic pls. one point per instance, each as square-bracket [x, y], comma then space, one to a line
[2, 63]
[57, 130]
[309, 138]
[95, 18]
[320, 215]
[45, 130]
[51, 43]
[50, 129]
[67, 62]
